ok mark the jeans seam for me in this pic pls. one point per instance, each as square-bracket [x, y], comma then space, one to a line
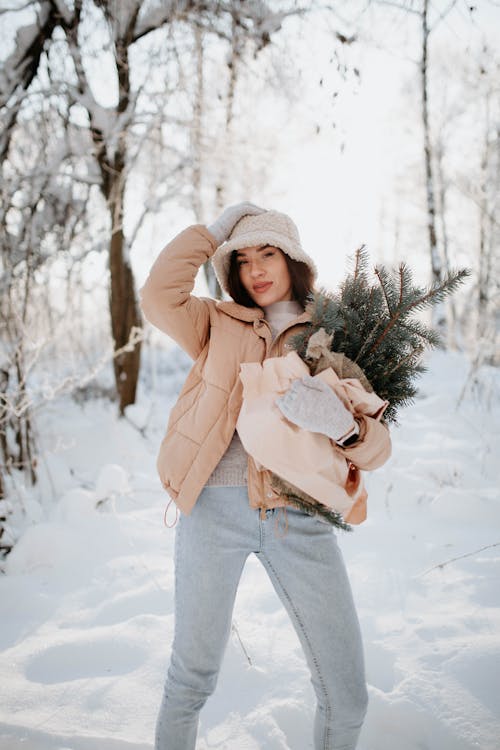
[328, 710]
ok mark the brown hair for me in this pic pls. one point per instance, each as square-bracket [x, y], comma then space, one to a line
[300, 275]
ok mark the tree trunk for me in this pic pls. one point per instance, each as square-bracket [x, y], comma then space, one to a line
[452, 317]
[439, 319]
[22, 426]
[4, 452]
[122, 300]
[233, 64]
[197, 128]
[197, 146]
[484, 233]
[487, 283]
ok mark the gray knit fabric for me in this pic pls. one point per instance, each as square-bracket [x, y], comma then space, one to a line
[313, 405]
[231, 471]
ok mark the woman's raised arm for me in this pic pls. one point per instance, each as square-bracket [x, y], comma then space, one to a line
[166, 298]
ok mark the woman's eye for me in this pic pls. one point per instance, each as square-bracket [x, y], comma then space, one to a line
[269, 254]
[241, 262]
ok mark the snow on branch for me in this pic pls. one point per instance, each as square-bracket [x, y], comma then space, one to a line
[25, 400]
[63, 10]
[153, 16]
[255, 17]
[121, 16]
[20, 67]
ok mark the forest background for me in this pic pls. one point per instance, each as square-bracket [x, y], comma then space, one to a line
[371, 123]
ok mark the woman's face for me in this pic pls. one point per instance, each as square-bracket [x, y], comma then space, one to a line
[264, 274]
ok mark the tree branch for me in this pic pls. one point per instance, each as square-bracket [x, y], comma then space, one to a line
[440, 566]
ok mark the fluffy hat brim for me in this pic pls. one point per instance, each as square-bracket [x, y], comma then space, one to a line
[251, 237]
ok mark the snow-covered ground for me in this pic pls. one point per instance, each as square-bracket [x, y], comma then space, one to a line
[86, 602]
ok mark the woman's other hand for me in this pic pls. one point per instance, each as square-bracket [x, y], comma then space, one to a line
[311, 404]
[224, 225]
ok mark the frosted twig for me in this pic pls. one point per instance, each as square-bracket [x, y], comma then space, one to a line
[459, 557]
[235, 630]
[50, 392]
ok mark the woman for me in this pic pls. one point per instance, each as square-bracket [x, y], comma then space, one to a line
[227, 500]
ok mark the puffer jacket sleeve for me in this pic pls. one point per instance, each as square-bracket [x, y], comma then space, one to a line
[373, 447]
[166, 298]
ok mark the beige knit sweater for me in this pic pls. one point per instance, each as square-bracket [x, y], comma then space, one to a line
[232, 468]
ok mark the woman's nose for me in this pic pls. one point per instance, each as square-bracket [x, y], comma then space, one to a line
[255, 268]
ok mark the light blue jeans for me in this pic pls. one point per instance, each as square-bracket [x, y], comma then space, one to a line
[306, 569]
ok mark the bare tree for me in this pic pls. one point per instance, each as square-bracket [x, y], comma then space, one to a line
[474, 121]
[39, 213]
[113, 129]
[200, 118]
[442, 214]
[434, 179]
[436, 265]
[198, 140]
[488, 285]
[21, 68]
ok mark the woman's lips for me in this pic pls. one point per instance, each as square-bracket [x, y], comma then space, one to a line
[260, 288]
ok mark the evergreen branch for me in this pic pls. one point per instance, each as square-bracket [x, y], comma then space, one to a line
[436, 293]
[381, 274]
[368, 338]
[402, 269]
[315, 508]
[406, 282]
[439, 290]
[372, 322]
[411, 359]
[308, 504]
[392, 322]
[429, 335]
[359, 261]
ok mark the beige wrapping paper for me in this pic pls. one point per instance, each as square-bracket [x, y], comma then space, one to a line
[307, 460]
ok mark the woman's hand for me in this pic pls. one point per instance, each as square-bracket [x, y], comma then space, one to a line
[224, 225]
[311, 404]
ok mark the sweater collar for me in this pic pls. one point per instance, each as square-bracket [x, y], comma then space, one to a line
[284, 307]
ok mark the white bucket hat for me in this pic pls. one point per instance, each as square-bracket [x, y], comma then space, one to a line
[269, 227]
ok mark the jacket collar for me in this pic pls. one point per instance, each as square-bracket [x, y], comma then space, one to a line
[249, 314]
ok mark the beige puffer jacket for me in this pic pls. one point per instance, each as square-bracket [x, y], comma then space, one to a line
[219, 337]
